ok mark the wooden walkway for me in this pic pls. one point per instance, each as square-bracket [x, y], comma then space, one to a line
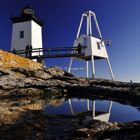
[52, 52]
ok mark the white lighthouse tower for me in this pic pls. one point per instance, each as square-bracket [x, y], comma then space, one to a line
[95, 47]
[26, 31]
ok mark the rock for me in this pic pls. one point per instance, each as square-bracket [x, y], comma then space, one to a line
[42, 74]
[137, 90]
[9, 82]
[5, 71]
[55, 101]
[68, 74]
[55, 71]
[81, 134]
[23, 71]
[25, 92]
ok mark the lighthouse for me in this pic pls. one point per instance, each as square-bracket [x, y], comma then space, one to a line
[26, 31]
[95, 47]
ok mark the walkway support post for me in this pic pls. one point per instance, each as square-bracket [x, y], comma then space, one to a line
[70, 65]
[87, 66]
[93, 69]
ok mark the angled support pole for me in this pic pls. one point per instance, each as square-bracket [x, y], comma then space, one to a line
[88, 20]
[90, 25]
[97, 26]
[80, 26]
[71, 59]
[110, 68]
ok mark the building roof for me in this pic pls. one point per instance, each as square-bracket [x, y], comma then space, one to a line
[27, 14]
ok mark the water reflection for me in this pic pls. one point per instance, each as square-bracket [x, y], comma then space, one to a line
[88, 108]
[103, 116]
[97, 115]
[34, 105]
[103, 110]
[71, 108]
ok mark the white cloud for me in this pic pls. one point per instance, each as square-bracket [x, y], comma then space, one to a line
[66, 68]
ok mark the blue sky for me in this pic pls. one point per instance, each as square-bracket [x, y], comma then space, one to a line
[119, 20]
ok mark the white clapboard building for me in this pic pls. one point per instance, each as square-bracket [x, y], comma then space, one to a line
[26, 31]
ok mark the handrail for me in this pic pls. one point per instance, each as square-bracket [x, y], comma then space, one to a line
[55, 48]
[51, 52]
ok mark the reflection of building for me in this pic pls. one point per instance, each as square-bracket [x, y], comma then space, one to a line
[96, 115]
[103, 116]
[95, 48]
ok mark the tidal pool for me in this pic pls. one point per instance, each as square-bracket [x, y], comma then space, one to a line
[104, 110]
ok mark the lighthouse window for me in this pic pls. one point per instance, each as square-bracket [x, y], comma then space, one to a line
[98, 45]
[21, 34]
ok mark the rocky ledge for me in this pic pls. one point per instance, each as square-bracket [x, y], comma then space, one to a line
[17, 82]
[20, 116]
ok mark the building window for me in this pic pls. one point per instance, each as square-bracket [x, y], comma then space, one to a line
[21, 34]
[98, 45]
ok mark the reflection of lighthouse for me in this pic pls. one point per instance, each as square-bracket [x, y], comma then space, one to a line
[95, 46]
